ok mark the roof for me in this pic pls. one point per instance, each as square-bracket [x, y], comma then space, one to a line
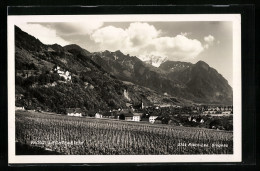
[73, 110]
[154, 114]
[128, 114]
[159, 118]
[125, 111]
[109, 114]
[137, 114]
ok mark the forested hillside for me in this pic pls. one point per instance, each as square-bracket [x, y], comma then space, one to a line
[90, 88]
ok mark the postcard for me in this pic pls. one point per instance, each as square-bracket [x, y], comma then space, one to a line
[124, 88]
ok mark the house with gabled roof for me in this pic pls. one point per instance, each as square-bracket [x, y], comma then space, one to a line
[125, 114]
[74, 112]
[110, 114]
[137, 117]
[153, 117]
[98, 115]
[128, 116]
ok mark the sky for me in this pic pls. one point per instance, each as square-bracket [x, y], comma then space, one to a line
[188, 41]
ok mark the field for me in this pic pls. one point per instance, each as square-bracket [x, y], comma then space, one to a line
[89, 136]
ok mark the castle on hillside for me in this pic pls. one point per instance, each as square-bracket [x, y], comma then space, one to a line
[62, 73]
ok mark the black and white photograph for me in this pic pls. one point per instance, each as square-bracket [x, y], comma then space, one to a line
[124, 88]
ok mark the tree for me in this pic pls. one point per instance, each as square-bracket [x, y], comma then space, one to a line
[215, 123]
[76, 80]
[44, 79]
[54, 77]
[45, 70]
[165, 119]
[29, 81]
[18, 80]
[112, 103]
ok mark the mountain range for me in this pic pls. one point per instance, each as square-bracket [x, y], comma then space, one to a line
[112, 75]
[197, 82]
[153, 60]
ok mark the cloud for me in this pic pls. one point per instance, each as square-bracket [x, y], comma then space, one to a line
[176, 48]
[141, 39]
[61, 33]
[45, 35]
[73, 28]
[141, 33]
[185, 34]
[138, 39]
[209, 39]
[110, 38]
[206, 46]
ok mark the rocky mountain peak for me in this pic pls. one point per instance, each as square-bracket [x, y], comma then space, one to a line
[118, 52]
[76, 48]
[202, 64]
[153, 59]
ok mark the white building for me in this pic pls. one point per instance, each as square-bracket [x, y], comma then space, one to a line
[98, 115]
[152, 118]
[65, 74]
[137, 117]
[74, 112]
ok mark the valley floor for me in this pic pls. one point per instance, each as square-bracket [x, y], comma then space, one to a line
[59, 134]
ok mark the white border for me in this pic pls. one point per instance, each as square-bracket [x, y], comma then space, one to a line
[236, 157]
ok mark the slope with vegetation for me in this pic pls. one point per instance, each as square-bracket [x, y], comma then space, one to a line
[92, 87]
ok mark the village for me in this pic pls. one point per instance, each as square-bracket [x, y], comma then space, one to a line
[155, 114]
[194, 116]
